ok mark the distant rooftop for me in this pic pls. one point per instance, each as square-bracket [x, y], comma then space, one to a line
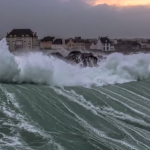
[104, 40]
[58, 41]
[47, 39]
[21, 33]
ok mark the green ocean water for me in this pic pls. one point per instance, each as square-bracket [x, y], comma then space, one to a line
[38, 117]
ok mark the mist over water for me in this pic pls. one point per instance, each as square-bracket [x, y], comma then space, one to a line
[35, 67]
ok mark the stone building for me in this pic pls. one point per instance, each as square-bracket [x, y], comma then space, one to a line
[46, 42]
[19, 39]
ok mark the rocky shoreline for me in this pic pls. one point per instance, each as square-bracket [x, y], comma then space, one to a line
[77, 57]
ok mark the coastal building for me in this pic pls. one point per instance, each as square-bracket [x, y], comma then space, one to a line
[145, 44]
[19, 39]
[69, 44]
[87, 44]
[79, 43]
[46, 42]
[128, 45]
[135, 45]
[102, 44]
[93, 45]
[58, 44]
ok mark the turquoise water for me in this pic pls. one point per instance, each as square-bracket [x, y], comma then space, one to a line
[38, 117]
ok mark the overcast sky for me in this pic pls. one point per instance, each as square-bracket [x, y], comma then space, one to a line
[86, 18]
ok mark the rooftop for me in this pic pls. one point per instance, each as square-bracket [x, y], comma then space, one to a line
[48, 38]
[58, 41]
[22, 32]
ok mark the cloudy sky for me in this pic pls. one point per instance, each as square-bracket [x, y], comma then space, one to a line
[86, 18]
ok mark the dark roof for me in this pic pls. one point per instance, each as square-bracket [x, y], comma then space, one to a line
[20, 32]
[105, 40]
[66, 41]
[75, 40]
[48, 38]
[78, 41]
[136, 44]
[58, 41]
[87, 41]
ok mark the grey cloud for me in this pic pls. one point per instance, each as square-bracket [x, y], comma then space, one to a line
[73, 18]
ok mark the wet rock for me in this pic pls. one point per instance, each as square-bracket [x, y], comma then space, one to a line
[84, 59]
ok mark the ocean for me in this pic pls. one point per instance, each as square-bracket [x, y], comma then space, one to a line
[47, 104]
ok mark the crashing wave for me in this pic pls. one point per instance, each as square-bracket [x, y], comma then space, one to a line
[34, 67]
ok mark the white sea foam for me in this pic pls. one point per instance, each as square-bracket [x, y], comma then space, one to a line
[41, 69]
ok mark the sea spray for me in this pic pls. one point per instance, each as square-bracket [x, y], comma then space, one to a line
[9, 70]
[34, 67]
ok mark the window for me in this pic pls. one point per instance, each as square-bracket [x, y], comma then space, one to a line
[10, 35]
[27, 35]
[22, 35]
[14, 35]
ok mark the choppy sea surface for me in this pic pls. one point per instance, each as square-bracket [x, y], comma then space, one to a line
[47, 104]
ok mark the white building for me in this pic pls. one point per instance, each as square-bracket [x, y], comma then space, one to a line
[22, 39]
[103, 44]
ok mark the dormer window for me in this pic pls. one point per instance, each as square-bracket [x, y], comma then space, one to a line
[10, 35]
[14, 35]
[22, 35]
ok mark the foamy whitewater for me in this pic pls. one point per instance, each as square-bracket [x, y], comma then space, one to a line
[35, 67]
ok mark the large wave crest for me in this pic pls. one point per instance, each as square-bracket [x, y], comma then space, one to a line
[34, 67]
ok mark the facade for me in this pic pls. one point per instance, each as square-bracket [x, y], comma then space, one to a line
[46, 42]
[58, 44]
[103, 44]
[75, 44]
[93, 45]
[79, 43]
[22, 39]
[70, 44]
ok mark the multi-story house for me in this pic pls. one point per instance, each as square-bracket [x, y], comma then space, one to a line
[22, 39]
[46, 42]
[103, 44]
